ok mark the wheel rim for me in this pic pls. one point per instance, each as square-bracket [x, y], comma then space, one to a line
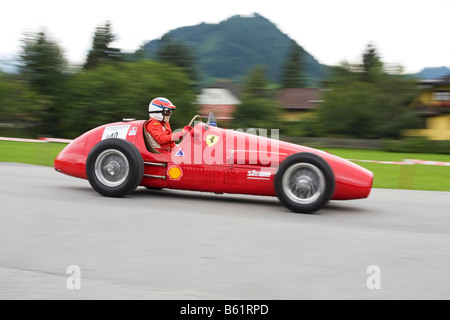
[303, 183]
[112, 168]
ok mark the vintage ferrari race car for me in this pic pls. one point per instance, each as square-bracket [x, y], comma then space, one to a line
[116, 158]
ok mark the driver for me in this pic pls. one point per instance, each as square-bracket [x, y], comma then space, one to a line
[160, 110]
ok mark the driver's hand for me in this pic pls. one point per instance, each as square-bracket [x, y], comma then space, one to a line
[186, 130]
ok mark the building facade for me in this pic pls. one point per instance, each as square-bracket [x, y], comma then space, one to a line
[433, 103]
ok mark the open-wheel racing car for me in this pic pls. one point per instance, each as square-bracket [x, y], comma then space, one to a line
[116, 158]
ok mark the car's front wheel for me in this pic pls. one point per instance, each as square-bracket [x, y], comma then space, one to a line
[114, 167]
[304, 182]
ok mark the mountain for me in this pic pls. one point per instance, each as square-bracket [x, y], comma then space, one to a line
[232, 47]
[433, 73]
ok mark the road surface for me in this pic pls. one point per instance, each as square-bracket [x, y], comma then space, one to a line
[59, 239]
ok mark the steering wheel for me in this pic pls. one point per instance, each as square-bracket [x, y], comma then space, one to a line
[195, 117]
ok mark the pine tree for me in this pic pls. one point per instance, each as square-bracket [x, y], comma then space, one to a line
[43, 67]
[258, 109]
[101, 50]
[43, 62]
[292, 73]
[256, 83]
[372, 64]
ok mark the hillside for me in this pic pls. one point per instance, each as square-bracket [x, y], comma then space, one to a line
[232, 47]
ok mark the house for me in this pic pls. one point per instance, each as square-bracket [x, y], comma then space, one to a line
[297, 103]
[433, 103]
[221, 99]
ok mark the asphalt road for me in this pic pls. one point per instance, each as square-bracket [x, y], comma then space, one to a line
[185, 245]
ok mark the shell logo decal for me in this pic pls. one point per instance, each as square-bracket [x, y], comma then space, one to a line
[175, 173]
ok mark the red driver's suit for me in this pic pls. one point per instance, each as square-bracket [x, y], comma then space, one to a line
[162, 133]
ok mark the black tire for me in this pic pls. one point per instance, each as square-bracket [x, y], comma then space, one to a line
[114, 167]
[304, 182]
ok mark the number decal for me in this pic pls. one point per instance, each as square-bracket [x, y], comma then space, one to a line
[116, 132]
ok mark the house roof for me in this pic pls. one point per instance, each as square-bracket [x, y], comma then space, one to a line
[217, 96]
[234, 88]
[299, 98]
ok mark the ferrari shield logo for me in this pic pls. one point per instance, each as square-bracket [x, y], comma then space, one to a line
[211, 140]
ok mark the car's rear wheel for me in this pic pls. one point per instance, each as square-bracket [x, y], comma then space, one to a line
[304, 182]
[114, 167]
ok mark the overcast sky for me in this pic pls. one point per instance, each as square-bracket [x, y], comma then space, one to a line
[411, 33]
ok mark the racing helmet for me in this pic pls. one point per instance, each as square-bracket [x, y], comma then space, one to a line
[160, 109]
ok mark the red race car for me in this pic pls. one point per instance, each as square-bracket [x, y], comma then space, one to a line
[116, 158]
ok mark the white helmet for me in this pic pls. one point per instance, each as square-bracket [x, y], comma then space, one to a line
[160, 109]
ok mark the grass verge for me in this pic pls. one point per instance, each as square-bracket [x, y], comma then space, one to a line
[42, 154]
[393, 176]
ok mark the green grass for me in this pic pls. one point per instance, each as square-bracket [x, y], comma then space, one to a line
[392, 176]
[385, 156]
[389, 176]
[41, 154]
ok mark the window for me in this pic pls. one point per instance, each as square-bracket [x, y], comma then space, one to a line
[441, 95]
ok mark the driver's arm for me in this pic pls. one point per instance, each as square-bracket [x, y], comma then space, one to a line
[161, 136]
[177, 136]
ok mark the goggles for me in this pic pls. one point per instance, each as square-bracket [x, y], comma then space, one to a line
[167, 112]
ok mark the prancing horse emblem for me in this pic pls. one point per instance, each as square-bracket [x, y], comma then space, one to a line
[211, 140]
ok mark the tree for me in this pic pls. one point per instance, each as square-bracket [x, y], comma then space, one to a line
[43, 67]
[293, 68]
[176, 53]
[348, 110]
[18, 103]
[372, 64]
[379, 108]
[256, 83]
[101, 50]
[256, 113]
[112, 92]
[257, 109]
[43, 63]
